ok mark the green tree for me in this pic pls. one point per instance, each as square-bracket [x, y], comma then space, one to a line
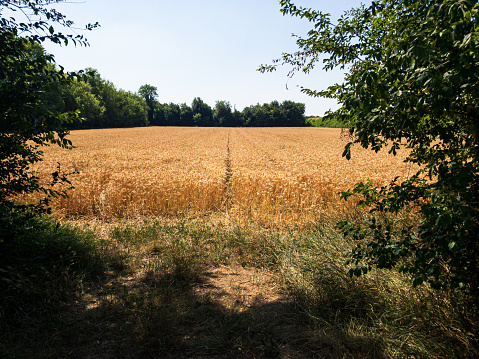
[272, 114]
[159, 118]
[27, 120]
[186, 115]
[292, 114]
[172, 114]
[255, 116]
[200, 107]
[133, 110]
[109, 99]
[93, 77]
[197, 118]
[121, 108]
[150, 94]
[78, 95]
[238, 118]
[412, 81]
[222, 114]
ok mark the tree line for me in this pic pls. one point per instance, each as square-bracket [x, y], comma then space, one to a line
[101, 105]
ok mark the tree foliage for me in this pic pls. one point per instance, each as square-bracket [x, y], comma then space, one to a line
[29, 80]
[172, 113]
[223, 114]
[78, 96]
[102, 105]
[150, 94]
[412, 81]
[286, 114]
[206, 112]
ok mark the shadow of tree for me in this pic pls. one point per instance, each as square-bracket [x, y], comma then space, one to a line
[167, 316]
[183, 310]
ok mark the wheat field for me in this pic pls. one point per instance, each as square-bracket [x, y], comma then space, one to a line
[272, 176]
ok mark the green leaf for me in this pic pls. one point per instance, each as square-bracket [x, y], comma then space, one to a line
[347, 151]
[468, 15]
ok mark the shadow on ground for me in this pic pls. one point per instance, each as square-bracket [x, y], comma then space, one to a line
[61, 300]
[190, 315]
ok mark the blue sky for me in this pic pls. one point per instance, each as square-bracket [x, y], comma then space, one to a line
[191, 48]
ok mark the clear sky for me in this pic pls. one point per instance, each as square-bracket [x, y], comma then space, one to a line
[191, 48]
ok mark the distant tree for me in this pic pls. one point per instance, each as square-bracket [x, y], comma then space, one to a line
[186, 115]
[133, 110]
[272, 113]
[150, 95]
[109, 99]
[78, 96]
[292, 114]
[93, 77]
[197, 119]
[238, 118]
[121, 108]
[159, 118]
[222, 114]
[255, 116]
[105, 91]
[288, 113]
[172, 113]
[248, 116]
[200, 107]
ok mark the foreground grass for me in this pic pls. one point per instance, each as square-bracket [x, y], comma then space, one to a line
[206, 288]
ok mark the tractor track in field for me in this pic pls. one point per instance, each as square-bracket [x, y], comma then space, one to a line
[228, 174]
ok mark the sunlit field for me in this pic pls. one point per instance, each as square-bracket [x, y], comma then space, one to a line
[219, 242]
[271, 176]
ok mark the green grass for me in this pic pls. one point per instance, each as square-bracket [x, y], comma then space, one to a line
[197, 288]
[323, 122]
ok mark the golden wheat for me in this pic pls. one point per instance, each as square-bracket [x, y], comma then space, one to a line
[285, 175]
[281, 176]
